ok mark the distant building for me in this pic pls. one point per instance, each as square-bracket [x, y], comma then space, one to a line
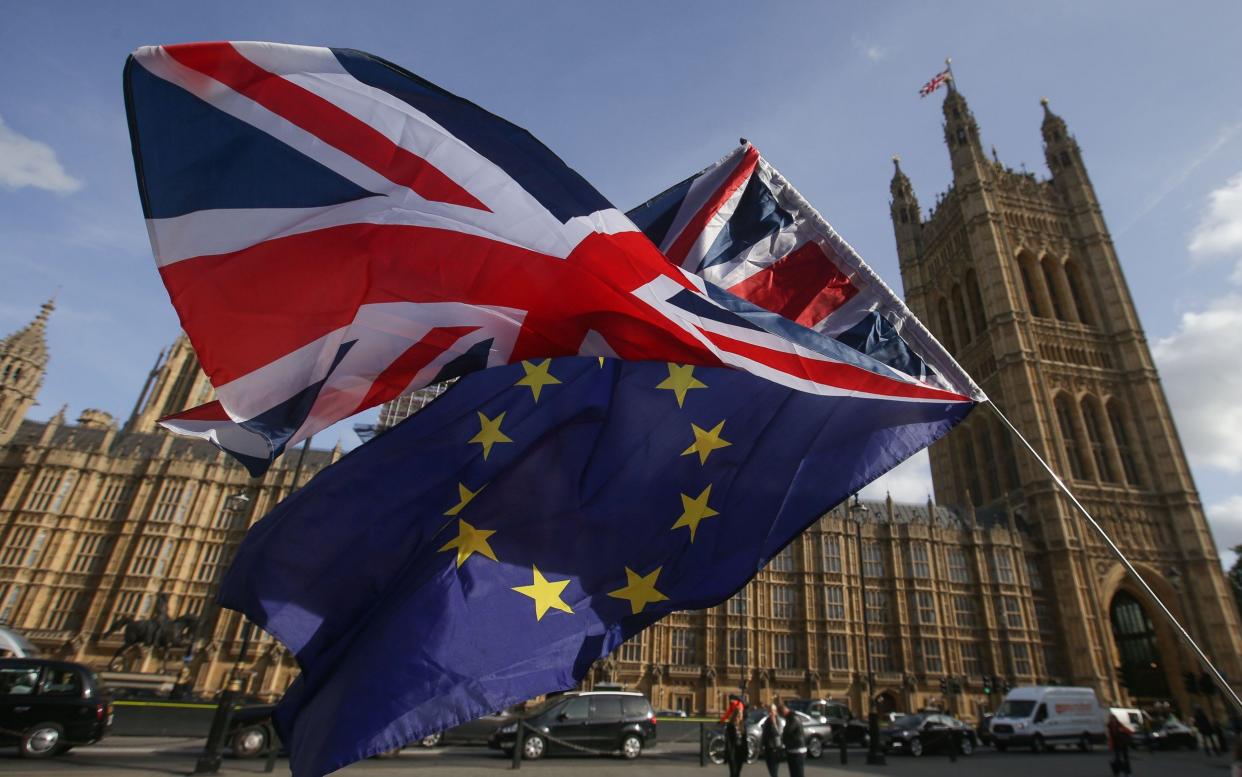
[97, 519]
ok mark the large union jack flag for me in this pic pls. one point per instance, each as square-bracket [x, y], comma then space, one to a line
[335, 231]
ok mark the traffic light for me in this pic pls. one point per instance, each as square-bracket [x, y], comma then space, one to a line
[1192, 685]
[1005, 685]
[1206, 686]
[944, 686]
[988, 683]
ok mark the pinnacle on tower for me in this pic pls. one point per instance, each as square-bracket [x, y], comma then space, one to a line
[1053, 128]
[30, 340]
[961, 135]
[1064, 157]
[905, 205]
[900, 187]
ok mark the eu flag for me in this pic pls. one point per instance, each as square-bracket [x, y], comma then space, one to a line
[495, 544]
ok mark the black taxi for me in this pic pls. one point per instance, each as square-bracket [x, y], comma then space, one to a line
[47, 707]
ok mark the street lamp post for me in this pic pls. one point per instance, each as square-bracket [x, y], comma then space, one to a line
[210, 759]
[858, 512]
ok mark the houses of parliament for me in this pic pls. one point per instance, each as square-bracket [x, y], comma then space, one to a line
[101, 517]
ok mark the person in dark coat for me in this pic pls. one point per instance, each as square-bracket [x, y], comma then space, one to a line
[770, 740]
[735, 740]
[1207, 730]
[1119, 744]
[794, 740]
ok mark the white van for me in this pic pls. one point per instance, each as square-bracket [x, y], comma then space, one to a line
[1043, 717]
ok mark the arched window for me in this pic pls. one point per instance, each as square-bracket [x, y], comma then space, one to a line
[1095, 437]
[1007, 465]
[991, 467]
[17, 376]
[1142, 666]
[1121, 436]
[5, 376]
[1026, 270]
[946, 326]
[1077, 289]
[976, 302]
[971, 466]
[1073, 451]
[1052, 271]
[959, 311]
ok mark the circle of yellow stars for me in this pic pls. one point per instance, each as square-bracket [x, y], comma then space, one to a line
[548, 594]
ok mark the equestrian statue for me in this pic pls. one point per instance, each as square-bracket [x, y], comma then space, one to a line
[157, 632]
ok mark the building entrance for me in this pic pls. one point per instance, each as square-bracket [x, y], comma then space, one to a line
[1142, 670]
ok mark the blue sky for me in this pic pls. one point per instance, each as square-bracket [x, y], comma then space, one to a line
[638, 95]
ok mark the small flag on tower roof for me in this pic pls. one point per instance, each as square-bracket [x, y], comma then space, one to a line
[936, 82]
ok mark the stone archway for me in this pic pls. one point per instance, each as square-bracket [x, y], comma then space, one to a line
[886, 702]
[1141, 665]
[1143, 645]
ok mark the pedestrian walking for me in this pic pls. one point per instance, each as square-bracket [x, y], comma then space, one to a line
[735, 739]
[770, 740]
[1207, 731]
[1119, 745]
[794, 740]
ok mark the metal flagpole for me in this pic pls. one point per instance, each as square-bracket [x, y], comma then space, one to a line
[948, 66]
[1189, 640]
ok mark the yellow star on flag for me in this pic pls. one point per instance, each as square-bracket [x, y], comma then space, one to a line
[470, 540]
[694, 510]
[639, 590]
[537, 377]
[705, 442]
[464, 495]
[489, 433]
[546, 593]
[680, 380]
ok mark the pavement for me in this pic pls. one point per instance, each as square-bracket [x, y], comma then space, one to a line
[176, 756]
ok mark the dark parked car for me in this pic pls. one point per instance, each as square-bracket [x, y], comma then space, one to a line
[251, 733]
[474, 732]
[927, 733]
[1172, 734]
[48, 707]
[590, 721]
[837, 715]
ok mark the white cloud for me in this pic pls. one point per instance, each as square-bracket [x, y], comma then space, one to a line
[909, 481]
[870, 50]
[28, 162]
[1198, 365]
[1220, 230]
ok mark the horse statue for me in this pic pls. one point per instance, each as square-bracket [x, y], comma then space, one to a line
[157, 632]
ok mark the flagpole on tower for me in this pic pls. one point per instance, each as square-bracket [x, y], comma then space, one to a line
[948, 67]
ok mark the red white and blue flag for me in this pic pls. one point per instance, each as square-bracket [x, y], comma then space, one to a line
[335, 231]
[741, 226]
[936, 81]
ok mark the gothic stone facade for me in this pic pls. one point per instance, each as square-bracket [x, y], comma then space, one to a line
[1018, 277]
[946, 594]
[96, 520]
